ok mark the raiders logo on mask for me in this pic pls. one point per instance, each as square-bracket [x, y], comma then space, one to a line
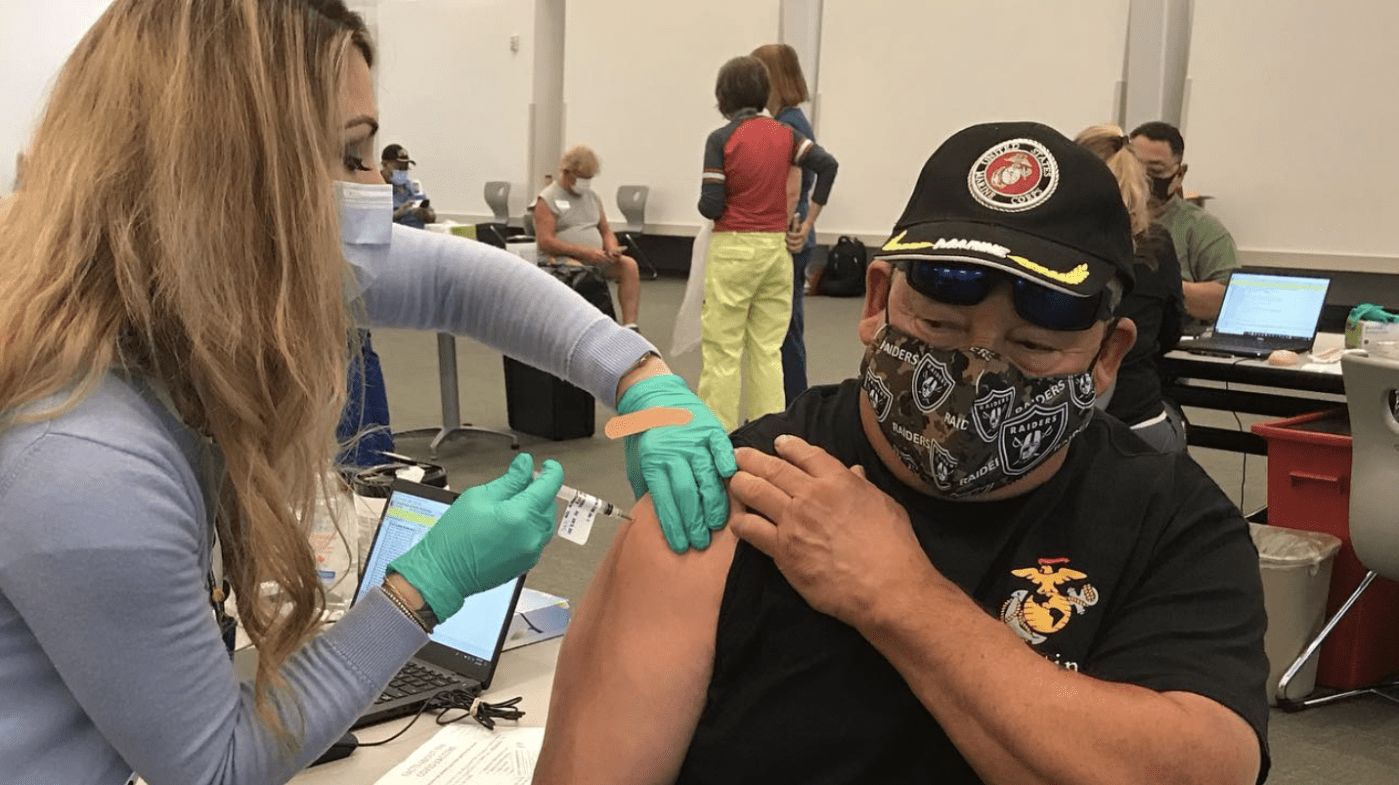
[880, 397]
[990, 410]
[1029, 434]
[932, 383]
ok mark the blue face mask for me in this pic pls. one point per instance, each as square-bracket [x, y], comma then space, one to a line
[366, 227]
[400, 177]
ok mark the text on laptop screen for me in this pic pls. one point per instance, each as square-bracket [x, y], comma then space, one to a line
[475, 629]
[1271, 305]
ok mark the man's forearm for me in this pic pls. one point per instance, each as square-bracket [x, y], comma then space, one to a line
[609, 240]
[1019, 719]
[1203, 299]
[555, 247]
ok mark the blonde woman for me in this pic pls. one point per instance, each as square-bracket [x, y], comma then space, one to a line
[176, 318]
[1155, 304]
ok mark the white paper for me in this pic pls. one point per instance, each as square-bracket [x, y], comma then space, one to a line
[578, 518]
[687, 320]
[467, 754]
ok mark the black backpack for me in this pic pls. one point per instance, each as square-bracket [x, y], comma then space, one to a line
[844, 275]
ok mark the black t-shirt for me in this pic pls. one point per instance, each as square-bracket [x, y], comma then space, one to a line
[1162, 591]
[1156, 305]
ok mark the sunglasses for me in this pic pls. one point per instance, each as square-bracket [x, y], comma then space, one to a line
[967, 284]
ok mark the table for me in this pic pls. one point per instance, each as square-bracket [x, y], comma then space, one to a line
[451, 402]
[527, 671]
[1252, 387]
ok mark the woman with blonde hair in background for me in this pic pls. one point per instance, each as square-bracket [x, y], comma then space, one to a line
[198, 230]
[787, 90]
[1155, 304]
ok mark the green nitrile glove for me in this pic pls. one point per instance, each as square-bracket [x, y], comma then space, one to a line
[490, 534]
[682, 466]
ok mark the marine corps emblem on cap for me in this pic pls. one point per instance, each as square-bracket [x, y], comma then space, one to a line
[1015, 175]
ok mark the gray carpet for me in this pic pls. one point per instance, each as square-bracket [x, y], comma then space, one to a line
[1354, 742]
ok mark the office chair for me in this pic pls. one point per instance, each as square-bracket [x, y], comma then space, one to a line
[631, 200]
[1372, 396]
[497, 231]
[498, 199]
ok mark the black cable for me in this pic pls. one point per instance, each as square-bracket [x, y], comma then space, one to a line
[436, 696]
[464, 701]
[472, 706]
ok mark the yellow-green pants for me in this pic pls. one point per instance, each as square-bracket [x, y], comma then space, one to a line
[747, 306]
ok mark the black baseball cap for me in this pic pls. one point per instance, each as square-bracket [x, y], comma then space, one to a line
[1023, 198]
[395, 152]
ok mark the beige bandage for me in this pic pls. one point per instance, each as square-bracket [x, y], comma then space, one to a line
[646, 419]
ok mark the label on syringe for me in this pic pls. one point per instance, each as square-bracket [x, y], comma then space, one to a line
[578, 518]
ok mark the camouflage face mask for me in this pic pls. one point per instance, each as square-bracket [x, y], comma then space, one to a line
[968, 421]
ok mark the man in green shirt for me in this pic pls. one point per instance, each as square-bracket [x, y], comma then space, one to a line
[1205, 247]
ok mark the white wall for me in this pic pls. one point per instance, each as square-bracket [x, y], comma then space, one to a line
[897, 78]
[1291, 124]
[453, 93]
[639, 89]
[35, 40]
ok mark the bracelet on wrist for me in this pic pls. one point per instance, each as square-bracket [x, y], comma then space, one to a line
[423, 617]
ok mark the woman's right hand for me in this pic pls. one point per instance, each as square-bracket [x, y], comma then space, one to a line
[490, 534]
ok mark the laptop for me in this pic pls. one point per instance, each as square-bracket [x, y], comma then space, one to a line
[1265, 312]
[465, 649]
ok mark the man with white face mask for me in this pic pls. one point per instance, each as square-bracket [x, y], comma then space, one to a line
[410, 204]
[1008, 586]
[570, 226]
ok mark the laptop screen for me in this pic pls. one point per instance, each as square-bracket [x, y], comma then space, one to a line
[474, 633]
[1256, 304]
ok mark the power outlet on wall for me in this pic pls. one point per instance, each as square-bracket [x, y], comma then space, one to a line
[515, 42]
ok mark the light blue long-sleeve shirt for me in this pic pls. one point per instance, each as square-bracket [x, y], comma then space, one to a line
[110, 660]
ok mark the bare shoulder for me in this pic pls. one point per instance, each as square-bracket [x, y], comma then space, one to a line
[641, 569]
[639, 651]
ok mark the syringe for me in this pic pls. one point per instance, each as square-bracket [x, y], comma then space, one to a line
[567, 495]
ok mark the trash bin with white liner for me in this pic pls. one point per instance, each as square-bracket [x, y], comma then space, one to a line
[1296, 570]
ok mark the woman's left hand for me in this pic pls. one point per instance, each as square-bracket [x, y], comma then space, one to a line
[682, 466]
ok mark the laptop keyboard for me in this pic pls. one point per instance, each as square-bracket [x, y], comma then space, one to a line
[415, 679]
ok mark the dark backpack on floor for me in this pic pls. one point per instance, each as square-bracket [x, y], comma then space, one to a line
[844, 275]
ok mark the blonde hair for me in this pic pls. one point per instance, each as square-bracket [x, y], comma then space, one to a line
[1109, 143]
[786, 85]
[178, 222]
[580, 158]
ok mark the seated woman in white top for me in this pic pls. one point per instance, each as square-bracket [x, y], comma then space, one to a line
[571, 226]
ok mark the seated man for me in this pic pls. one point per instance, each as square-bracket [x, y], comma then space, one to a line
[1205, 248]
[950, 570]
[411, 207]
[571, 226]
